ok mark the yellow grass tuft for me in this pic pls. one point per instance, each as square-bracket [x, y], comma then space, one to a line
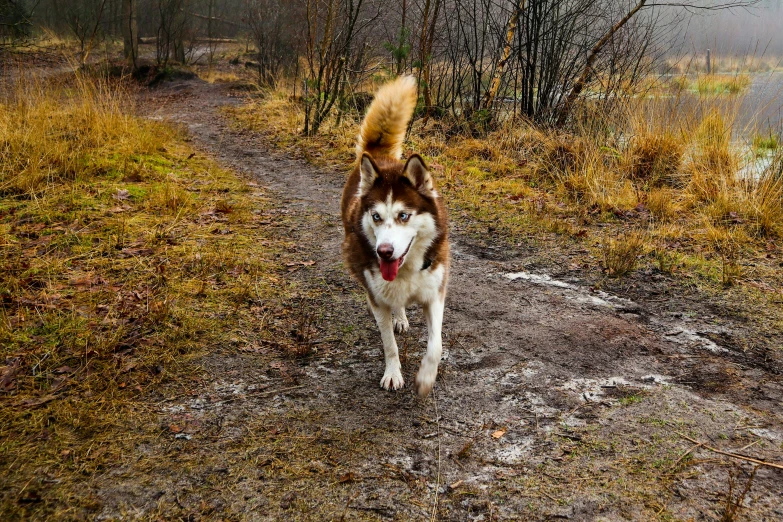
[654, 160]
[620, 255]
[662, 204]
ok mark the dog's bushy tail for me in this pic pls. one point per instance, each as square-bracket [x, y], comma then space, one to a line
[384, 126]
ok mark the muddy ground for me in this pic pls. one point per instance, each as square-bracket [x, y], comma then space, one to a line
[553, 401]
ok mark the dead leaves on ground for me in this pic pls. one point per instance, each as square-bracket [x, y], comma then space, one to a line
[498, 434]
[8, 374]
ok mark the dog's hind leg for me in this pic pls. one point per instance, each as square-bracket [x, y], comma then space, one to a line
[428, 371]
[392, 377]
[400, 321]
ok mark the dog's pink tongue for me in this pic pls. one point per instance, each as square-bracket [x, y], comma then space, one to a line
[389, 269]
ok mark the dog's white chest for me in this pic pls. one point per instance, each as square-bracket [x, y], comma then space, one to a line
[414, 286]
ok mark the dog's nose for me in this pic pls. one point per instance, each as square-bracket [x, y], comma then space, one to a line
[386, 251]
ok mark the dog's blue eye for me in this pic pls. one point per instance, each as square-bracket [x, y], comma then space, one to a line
[376, 217]
[404, 216]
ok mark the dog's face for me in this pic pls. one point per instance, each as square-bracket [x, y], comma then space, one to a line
[398, 216]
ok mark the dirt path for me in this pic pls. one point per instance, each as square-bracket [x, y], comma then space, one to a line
[552, 402]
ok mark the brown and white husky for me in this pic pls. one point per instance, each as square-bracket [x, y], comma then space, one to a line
[395, 223]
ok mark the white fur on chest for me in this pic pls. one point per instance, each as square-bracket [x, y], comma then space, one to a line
[412, 286]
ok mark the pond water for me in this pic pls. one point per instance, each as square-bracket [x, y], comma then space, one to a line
[762, 105]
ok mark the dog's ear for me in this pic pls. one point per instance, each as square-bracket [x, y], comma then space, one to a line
[369, 173]
[416, 172]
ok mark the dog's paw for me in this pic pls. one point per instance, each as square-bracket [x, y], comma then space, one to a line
[392, 379]
[400, 322]
[425, 379]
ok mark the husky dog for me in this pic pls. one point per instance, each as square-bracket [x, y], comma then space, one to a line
[396, 231]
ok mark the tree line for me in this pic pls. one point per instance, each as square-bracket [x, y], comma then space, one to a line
[477, 61]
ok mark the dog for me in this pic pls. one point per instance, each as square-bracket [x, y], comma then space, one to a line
[396, 231]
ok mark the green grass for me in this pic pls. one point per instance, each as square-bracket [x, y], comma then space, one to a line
[763, 145]
[721, 84]
[629, 400]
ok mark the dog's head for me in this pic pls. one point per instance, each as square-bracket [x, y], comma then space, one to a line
[399, 212]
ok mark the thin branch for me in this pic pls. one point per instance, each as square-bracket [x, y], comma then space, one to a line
[733, 455]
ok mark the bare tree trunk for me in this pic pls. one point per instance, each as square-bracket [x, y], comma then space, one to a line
[401, 39]
[91, 43]
[511, 29]
[425, 52]
[179, 22]
[580, 83]
[130, 32]
[211, 45]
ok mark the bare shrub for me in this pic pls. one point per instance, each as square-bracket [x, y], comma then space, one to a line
[276, 27]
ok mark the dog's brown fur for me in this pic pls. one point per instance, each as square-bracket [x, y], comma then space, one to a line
[381, 180]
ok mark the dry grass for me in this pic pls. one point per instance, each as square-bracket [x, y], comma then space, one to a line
[654, 160]
[711, 84]
[765, 144]
[724, 64]
[675, 174]
[123, 256]
[721, 84]
[218, 76]
[620, 255]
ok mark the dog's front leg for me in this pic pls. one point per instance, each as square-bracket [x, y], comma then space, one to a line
[400, 320]
[425, 379]
[392, 377]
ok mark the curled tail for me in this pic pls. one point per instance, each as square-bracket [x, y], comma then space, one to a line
[384, 126]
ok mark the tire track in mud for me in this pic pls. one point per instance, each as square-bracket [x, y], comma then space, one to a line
[533, 370]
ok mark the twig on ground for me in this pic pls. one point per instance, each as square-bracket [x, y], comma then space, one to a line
[262, 393]
[687, 452]
[266, 394]
[746, 446]
[733, 455]
[434, 514]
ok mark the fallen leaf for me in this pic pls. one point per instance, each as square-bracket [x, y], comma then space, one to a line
[8, 374]
[348, 477]
[173, 428]
[499, 433]
[301, 263]
[121, 195]
[88, 280]
[137, 251]
[250, 348]
[58, 383]
[38, 401]
[128, 366]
